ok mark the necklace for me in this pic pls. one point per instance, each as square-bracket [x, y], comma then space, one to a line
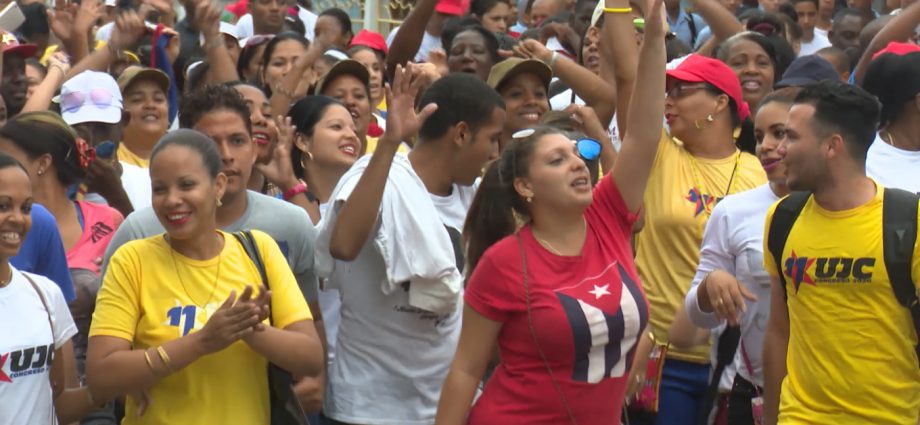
[694, 167]
[891, 139]
[550, 246]
[182, 282]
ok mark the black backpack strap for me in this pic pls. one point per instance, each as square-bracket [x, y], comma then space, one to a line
[693, 32]
[784, 216]
[248, 241]
[899, 234]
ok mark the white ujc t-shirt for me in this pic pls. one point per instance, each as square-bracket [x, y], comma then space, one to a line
[27, 344]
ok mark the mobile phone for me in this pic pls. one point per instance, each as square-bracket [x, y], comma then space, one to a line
[11, 17]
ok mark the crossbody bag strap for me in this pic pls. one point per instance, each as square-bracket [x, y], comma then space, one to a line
[41, 296]
[248, 241]
[533, 331]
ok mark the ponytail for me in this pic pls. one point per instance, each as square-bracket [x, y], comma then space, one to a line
[497, 206]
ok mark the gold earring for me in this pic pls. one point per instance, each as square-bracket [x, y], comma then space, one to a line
[219, 203]
[709, 118]
[306, 156]
[529, 199]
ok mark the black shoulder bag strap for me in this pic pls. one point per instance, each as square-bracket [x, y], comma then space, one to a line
[899, 234]
[285, 407]
[692, 24]
[725, 354]
[784, 216]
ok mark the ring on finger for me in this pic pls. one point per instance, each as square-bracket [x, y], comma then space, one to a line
[719, 302]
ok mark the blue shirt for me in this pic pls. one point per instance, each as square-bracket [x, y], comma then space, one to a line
[43, 252]
[681, 27]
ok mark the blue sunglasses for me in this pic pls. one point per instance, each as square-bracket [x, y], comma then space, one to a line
[588, 149]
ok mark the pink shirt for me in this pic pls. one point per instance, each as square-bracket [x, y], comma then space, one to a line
[99, 225]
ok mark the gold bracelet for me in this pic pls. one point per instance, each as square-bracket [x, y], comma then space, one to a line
[149, 363]
[165, 359]
[617, 10]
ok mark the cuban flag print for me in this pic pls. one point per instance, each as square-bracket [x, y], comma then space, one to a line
[606, 313]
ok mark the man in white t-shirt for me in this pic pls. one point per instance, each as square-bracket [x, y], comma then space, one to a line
[812, 41]
[245, 27]
[392, 356]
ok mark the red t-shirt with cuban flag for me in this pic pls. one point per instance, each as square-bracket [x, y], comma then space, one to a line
[588, 312]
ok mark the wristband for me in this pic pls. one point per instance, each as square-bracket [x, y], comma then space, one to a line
[299, 188]
[617, 10]
[551, 63]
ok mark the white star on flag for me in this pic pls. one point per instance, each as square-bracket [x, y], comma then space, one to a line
[600, 291]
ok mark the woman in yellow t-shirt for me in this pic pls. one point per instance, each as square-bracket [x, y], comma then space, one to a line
[178, 325]
[693, 171]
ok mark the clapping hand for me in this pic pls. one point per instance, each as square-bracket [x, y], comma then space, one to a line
[235, 319]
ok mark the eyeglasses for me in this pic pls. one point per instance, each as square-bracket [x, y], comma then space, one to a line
[680, 90]
[75, 100]
[588, 149]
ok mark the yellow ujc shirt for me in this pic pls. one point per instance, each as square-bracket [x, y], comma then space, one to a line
[851, 357]
[152, 295]
[681, 194]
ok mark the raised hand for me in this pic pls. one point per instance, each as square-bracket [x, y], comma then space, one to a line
[403, 121]
[587, 119]
[61, 20]
[129, 28]
[87, 15]
[533, 49]
[278, 170]
[207, 18]
[60, 61]
[231, 322]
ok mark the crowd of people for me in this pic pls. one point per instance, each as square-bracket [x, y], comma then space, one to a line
[659, 212]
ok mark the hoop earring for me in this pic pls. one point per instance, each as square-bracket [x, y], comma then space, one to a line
[305, 156]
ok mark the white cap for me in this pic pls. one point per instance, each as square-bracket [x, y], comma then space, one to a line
[111, 3]
[90, 96]
[226, 28]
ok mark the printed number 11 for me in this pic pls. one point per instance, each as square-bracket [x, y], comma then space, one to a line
[175, 317]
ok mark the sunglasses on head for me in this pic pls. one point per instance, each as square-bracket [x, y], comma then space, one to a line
[75, 100]
[257, 40]
[588, 149]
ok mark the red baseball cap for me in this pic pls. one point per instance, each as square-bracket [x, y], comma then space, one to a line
[701, 69]
[11, 45]
[370, 39]
[452, 7]
[897, 48]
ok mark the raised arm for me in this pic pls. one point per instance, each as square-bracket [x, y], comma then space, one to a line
[721, 21]
[359, 213]
[207, 19]
[900, 28]
[597, 93]
[408, 38]
[619, 53]
[129, 28]
[293, 86]
[58, 65]
[640, 144]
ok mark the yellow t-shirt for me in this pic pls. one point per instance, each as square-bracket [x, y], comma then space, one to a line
[125, 155]
[851, 357]
[676, 211]
[152, 295]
